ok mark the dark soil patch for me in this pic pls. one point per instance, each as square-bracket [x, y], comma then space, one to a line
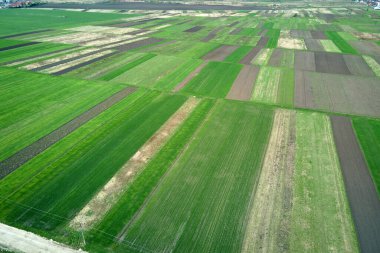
[252, 54]
[194, 29]
[361, 191]
[244, 83]
[303, 96]
[366, 47]
[275, 59]
[357, 65]
[314, 45]
[15, 161]
[234, 23]
[64, 71]
[319, 35]
[331, 63]
[27, 33]
[212, 34]
[262, 42]
[304, 60]
[220, 53]
[132, 23]
[19, 45]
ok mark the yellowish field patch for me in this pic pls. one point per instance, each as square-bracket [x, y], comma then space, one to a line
[329, 46]
[372, 64]
[292, 43]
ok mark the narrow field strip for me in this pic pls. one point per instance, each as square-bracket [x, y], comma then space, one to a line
[203, 201]
[329, 46]
[220, 53]
[262, 57]
[190, 77]
[268, 226]
[341, 43]
[111, 192]
[18, 46]
[17, 240]
[133, 199]
[320, 217]
[10, 164]
[361, 190]
[25, 33]
[267, 85]
[244, 83]
[374, 65]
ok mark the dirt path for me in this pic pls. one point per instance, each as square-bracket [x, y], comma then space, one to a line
[24, 155]
[18, 240]
[110, 193]
[361, 191]
[190, 76]
[268, 226]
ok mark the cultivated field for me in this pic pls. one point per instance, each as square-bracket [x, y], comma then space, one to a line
[251, 128]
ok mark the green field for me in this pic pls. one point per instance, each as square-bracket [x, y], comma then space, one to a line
[137, 142]
[214, 80]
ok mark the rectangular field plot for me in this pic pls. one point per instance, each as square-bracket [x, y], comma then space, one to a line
[274, 86]
[208, 188]
[300, 186]
[338, 93]
[214, 80]
[55, 181]
[33, 105]
[152, 71]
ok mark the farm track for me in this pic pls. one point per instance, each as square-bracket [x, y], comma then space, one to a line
[268, 225]
[361, 192]
[110, 193]
[19, 45]
[244, 83]
[10, 164]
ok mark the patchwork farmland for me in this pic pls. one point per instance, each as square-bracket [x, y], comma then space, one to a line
[228, 129]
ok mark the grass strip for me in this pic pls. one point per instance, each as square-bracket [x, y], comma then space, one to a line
[273, 35]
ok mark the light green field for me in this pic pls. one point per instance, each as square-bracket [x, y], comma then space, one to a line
[329, 46]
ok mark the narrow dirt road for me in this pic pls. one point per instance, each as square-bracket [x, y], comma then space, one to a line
[18, 240]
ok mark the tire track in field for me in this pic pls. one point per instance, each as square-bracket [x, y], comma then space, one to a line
[13, 162]
[110, 193]
[361, 191]
[268, 223]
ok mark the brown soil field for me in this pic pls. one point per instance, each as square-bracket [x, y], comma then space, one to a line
[18, 46]
[262, 42]
[10, 164]
[233, 23]
[27, 33]
[303, 96]
[350, 94]
[220, 53]
[361, 192]
[314, 45]
[366, 47]
[190, 76]
[243, 85]
[319, 35]
[330, 63]
[269, 219]
[275, 59]
[131, 23]
[357, 65]
[304, 60]
[251, 55]
[194, 29]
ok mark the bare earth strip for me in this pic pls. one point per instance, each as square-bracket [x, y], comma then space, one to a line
[110, 193]
[244, 83]
[17, 240]
[10, 164]
[252, 54]
[268, 226]
[18, 46]
[190, 76]
[220, 53]
[26, 33]
[361, 191]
